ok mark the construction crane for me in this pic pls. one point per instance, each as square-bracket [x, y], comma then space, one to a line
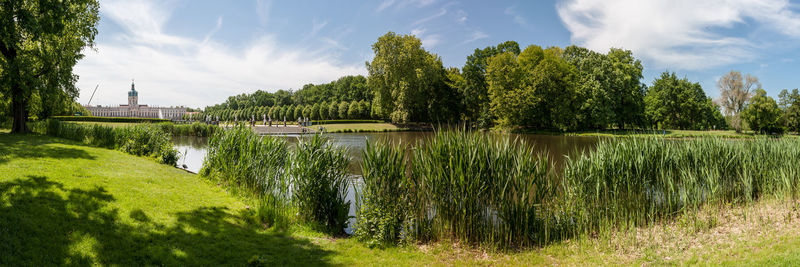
[90, 98]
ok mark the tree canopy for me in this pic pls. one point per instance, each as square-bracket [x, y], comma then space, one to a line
[40, 42]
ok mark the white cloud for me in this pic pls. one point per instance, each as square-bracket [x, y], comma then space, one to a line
[403, 3]
[518, 19]
[428, 40]
[174, 70]
[476, 35]
[262, 10]
[461, 16]
[686, 34]
[442, 12]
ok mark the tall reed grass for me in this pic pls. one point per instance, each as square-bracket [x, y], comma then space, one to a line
[320, 182]
[255, 166]
[311, 180]
[631, 182]
[138, 140]
[383, 203]
[195, 129]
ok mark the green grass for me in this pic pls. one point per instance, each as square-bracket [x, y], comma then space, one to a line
[64, 203]
[359, 127]
[111, 124]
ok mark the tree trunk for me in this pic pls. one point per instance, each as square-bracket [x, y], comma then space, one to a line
[19, 106]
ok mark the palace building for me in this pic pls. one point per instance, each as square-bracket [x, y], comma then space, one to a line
[136, 110]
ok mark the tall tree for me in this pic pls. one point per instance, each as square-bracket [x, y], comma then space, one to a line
[735, 90]
[472, 83]
[40, 42]
[404, 78]
[762, 114]
[790, 104]
[534, 89]
[679, 103]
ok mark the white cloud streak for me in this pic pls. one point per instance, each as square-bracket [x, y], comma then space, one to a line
[174, 70]
[685, 34]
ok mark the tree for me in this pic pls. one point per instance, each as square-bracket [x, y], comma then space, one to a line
[40, 42]
[762, 114]
[333, 110]
[735, 91]
[679, 103]
[298, 112]
[472, 82]
[627, 92]
[323, 110]
[405, 78]
[790, 104]
[343, 106]
[534, 89]
[352, 111]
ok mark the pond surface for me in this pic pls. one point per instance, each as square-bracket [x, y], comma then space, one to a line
[193, 149]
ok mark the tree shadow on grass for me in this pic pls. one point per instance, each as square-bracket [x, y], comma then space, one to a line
[44, 223]
[34, 146]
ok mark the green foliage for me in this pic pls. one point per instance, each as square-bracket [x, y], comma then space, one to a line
[673, 103]
[346, 121]
[254, 165]
[195, 129]
[631, 182]
[108, 119]
[41, 42]
[790, 104]
[483, 190]
[534, 89]
[139, 140]
[763, 114]
[408, 82]
[383, 207]
[320, 182]
[472, 84]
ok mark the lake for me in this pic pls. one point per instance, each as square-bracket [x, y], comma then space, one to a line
[193, 149]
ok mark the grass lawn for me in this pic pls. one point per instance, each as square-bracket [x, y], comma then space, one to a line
[63, 203]
[370, 127]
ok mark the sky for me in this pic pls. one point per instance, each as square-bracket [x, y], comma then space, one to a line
[196, 53]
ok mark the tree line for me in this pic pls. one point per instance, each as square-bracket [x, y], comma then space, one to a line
[552, 88]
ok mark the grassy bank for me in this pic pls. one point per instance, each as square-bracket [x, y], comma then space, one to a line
[65, 203]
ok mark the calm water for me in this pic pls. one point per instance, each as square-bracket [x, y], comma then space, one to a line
[193, 149]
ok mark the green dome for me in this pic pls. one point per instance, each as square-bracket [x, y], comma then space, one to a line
[133, 92]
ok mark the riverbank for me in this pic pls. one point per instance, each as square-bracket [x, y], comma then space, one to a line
[67, 203]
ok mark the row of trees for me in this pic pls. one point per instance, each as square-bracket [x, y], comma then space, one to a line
[318, 111]
[540, 88]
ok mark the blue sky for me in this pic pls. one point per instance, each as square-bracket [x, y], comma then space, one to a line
[199, 52]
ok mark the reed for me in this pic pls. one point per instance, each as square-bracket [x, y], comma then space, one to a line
[320, 183]
[631, 182]
[383, 203]
[255, 166]
[195, 129]
[478, 188]
[138, 140]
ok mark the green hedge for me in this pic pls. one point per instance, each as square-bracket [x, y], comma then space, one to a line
[108, 119]
[345, 121]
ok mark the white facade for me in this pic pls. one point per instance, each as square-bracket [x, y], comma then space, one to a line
[134, 109]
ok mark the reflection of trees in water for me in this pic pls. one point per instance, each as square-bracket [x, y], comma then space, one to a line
[42, 222]
[191, 141]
